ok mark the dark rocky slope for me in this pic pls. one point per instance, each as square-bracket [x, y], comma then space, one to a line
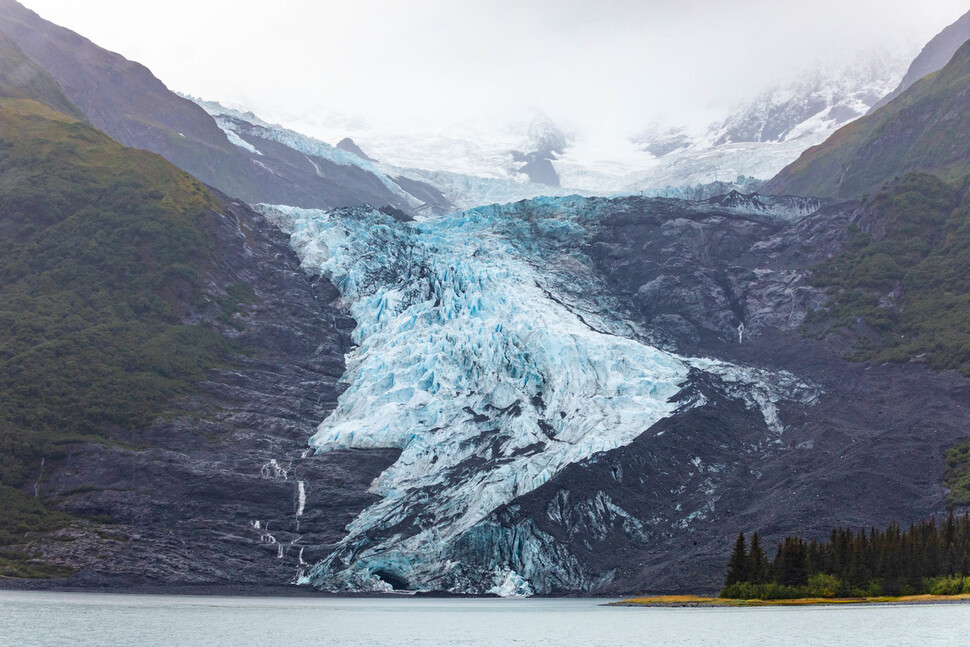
[660, 514]
[163, 360]
[211, 495]
[349, 145]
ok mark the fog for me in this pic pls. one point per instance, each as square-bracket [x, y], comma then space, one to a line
[425, 64]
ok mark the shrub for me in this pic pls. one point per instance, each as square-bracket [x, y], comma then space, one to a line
[822, 585]
[953, 585]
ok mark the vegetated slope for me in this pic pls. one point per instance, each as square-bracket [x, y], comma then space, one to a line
[900, 291]
[902, 287]
[927, 128]
[958, 475]
[126, 101]
[934, 56]
[101, 254]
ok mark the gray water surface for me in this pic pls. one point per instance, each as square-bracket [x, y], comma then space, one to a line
[85, 619]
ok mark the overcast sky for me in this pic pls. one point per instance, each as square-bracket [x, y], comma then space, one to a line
[424, 62]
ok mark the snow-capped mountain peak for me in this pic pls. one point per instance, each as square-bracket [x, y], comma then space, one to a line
[819, 102]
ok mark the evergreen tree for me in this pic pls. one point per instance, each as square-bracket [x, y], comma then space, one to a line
[757, 562]
[737, 570]
[926, 557]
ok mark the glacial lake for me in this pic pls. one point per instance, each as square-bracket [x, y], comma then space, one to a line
[82, 620]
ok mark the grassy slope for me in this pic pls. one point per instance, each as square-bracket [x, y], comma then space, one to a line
[101, 252]
[927, 128]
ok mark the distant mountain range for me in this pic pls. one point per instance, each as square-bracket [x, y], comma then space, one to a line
[126, 101]
[416, 190]
[756, 140]
[765, 134]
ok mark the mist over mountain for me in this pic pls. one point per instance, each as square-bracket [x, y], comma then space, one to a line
[534, 156]
[21, 78]
[125, 100]
[933, 57]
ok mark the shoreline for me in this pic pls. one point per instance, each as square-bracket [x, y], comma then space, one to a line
[256, 591]
[215, 590]
[691, 601]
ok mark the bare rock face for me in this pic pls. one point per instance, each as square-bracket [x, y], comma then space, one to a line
[349, 145]
[693, 273]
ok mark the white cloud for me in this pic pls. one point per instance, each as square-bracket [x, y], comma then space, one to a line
[611, 65]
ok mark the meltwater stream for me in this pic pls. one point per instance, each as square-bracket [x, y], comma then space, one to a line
[483, 354]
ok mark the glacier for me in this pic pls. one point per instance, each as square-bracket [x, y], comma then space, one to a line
[482, 355]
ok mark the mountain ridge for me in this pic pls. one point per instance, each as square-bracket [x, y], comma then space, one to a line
[21, 78]
[923, 129]
[934, 56]
[125, 100]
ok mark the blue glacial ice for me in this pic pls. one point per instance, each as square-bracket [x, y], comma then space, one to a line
[480, 354]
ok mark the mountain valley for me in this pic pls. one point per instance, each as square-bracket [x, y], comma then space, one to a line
[234, 355]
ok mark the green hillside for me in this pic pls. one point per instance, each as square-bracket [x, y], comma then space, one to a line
[906, 280]
[102, 251]
[925, 129]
